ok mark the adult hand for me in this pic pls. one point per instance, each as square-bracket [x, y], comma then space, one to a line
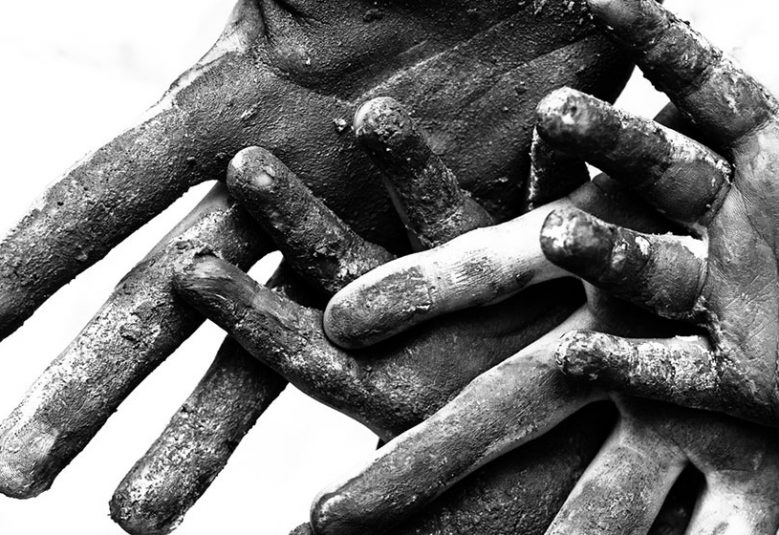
[681, 177]
[724, 280]
[401, 383]
[526, 396]
[258, 86]
[523, 398]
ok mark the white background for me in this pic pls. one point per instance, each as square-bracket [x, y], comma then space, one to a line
[75, 73]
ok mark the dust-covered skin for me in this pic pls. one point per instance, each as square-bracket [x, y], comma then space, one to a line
[401, 383]
[523, 398]
[389, 394]
[725, 278]
[442, 208]
[288, 76]
[526, 396]
[139, 325]
[622, 490]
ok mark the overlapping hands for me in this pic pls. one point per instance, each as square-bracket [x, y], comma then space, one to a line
[721, 277]
[285, 75]
[195, 130]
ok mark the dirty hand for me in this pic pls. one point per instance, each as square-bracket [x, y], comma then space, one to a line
[523, 398]
[505, 407]
[395, 386]
[723, 278]
[282, 75]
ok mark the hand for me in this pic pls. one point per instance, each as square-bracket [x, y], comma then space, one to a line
[247, 90]
[725, 280]
[509, 405]
[525, 397]
[399, 384]
[518, 400]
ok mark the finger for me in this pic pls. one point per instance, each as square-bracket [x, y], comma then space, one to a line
[400, 386]
[479, 268]
[519, 492]
[318, 244]
[197, 443]
[157, 493]
[79, 219]
[718, 96]
[514, 402]
[680, 177]
[679, 370]
[425, 192]
[476, 269]
[119, 187]
[663, 273]
[140, 325]
[394, 386]
[624, 487]
[286, 336]
[199, 440]
[553, 174]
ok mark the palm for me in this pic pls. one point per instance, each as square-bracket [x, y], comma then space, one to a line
[740, 297]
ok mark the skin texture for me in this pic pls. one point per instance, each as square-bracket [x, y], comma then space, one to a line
[625, 486]
[279, 77]
[60, 413]
[399, 385]
[725, 280]
[520, 399]
[390, 394]
[286, 76]
[442, 208]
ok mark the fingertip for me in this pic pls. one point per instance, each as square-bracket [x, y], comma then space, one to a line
[574, 240]
[253, 168]
[382, 122]
[26, 460]
[197, 268]
[338, 323]
[350, 324]
[564, 114]
[319, 516]
[577, 354]
[329, 514]
[204, 275]
[16, 484]
[555, 234]
[557, 105]
[137, 513]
